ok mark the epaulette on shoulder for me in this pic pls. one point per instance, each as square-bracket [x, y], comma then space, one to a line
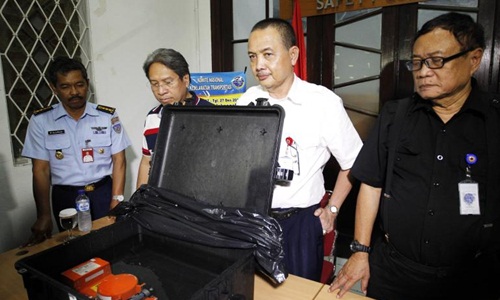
[106, 109]
[42, 110]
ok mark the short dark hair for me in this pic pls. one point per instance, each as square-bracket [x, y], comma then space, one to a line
[284, 28]
[469, 34]
[170, 59]
[63, 65]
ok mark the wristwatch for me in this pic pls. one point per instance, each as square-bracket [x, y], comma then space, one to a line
[357, 247]
[118, 198]
[333, 209]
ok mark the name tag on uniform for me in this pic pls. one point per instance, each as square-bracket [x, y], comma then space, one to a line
[88, 155]
[469, 198]
[53, 132]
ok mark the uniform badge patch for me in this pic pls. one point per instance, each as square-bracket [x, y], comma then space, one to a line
[117, 128]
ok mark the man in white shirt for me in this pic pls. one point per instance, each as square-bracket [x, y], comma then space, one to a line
[316, 126]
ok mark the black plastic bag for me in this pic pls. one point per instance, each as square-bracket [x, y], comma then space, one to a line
[174, 215]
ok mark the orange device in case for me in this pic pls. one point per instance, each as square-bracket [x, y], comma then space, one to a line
[94, 279]
[87, 274]
[117, 287]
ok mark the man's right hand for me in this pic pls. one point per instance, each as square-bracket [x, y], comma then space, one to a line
[41, 230]
[356, 268]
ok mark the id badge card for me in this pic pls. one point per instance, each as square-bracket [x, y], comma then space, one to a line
[468, 191]
[88, 155]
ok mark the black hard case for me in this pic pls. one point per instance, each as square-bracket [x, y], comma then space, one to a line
[217, 155]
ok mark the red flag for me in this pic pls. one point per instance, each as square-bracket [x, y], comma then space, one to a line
[301, 66]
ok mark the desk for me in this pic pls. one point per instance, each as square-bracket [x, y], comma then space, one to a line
[294, 287]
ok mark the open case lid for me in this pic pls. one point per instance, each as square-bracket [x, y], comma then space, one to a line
[220, 155]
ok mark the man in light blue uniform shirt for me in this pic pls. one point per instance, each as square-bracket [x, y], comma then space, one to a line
[74, 145]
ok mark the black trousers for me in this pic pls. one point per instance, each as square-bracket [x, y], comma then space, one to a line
[393, 276]
[100, 199]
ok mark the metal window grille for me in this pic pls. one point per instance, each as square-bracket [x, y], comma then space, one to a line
[32, 33]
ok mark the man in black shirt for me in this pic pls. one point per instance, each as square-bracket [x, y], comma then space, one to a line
[431, 170]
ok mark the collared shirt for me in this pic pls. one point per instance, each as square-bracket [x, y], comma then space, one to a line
[150, 132]
[56, 137]
[153, 120]
[424, 220]
[317, 122]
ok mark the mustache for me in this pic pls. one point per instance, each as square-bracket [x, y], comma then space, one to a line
[76, 98]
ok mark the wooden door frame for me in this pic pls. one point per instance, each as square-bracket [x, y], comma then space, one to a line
[221, 20]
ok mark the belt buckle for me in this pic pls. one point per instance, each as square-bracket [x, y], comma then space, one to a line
[284, 214]
[89, 187]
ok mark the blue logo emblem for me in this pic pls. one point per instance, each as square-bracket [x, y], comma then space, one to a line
[238, 82]
[470, 158]
[469, 198]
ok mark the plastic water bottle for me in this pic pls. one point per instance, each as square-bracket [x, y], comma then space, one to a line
[83, 208]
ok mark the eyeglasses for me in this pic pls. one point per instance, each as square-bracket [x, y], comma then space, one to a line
[435, 62]
[168, 83]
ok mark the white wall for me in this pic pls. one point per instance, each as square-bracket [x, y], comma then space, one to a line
[123, 32]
